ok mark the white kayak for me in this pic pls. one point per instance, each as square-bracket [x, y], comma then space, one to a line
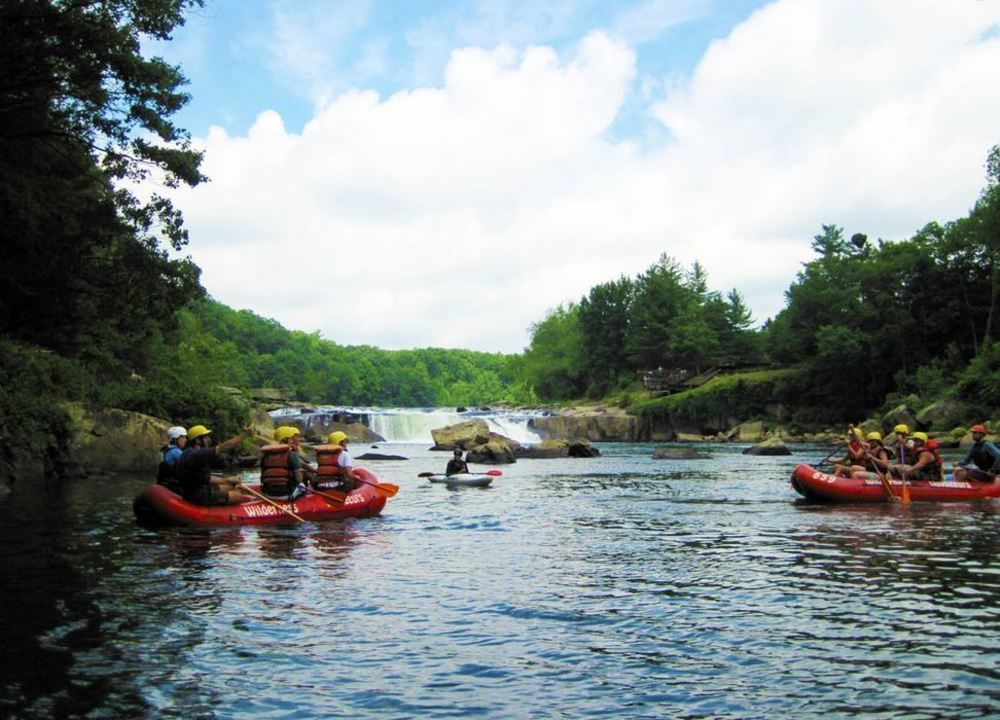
[462, 480]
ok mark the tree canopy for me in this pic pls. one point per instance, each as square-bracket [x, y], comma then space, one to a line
[84, 119]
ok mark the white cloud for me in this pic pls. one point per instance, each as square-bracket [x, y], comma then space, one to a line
[457, 215]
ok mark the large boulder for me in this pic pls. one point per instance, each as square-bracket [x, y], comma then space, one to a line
[595, 424]
[558, 449]
[752, 431]
[109, 440]
[771, 446]
[679, 453]
[899, 415]
[545, 449]
[315, 428]
[463, 435]
[943, 414]
[495, 451]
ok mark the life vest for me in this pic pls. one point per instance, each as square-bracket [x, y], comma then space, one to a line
[275, 475]
[328, 472]
[932, 470]
[879, 452]
[856, 451]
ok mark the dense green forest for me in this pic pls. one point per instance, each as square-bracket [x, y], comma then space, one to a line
[100, 306]
[865, 324]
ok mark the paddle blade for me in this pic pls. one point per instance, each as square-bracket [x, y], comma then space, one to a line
[906, 493]
[386, 490]
[426, 474]
[494, 473]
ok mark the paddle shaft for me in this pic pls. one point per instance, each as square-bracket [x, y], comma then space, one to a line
[883, 479]
[335, 495]
[266, 499]
[491, 473]
[905, 495]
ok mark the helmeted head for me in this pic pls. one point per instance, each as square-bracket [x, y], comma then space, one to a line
[198, 431]
[920, 437]
[978, 429]
[458, 452]
[284, 433]
[337, 437]
[874, 436]
[855, 433]
[901, 429]
[176, 432]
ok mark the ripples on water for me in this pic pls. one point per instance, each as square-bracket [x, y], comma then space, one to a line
[613, 587]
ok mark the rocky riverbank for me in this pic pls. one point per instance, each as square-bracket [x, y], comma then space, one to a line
[109, 441]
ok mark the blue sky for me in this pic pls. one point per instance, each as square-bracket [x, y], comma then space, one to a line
[413, 174]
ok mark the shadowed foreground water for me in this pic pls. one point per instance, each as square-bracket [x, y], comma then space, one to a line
[619, 586]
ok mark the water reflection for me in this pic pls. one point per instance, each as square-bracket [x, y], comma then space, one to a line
[617, 586]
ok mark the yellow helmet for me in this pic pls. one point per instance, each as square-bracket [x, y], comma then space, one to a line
[284, 432]
[901, 429]
[921, 436]
[197, 431]
[856, 432]
[873, 435]
[336, 437]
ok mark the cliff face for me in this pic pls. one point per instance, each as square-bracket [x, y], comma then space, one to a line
[594, 424]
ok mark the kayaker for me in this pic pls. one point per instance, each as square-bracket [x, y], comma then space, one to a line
[982, 462]
[456, 465]
[194, 469]
[346, 479]
[927, 462]
[854, 460]
[166, 473]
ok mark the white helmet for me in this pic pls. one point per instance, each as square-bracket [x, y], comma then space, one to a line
[176, 431]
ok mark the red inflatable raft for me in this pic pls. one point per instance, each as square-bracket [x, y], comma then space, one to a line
[159, 506]
[816, 485]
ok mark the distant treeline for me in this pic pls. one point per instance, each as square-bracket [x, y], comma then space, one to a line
[96, 304]
[866, 324]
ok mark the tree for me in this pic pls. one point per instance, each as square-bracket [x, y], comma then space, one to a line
[84, 116]
[554, 361]
[605, 317]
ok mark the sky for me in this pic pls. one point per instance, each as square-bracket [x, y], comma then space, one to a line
[414, 174]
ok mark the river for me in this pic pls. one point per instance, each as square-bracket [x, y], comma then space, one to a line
[617, 586]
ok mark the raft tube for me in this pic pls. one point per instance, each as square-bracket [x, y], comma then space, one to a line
[156, 505]
[817, 485]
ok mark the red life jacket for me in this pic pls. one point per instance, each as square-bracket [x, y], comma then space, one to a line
[275, 477]
[327, 469]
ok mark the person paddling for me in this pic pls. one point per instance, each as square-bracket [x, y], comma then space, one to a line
[926, 464]
[166, 473]
[344, 478]
[194, 469]
[456, 465]
[876, 459]
[857, 450]
[982, 462]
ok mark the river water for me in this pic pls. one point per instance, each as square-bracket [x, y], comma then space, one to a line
[618, 586]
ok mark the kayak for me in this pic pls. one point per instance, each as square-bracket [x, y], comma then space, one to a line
[462, 480]
[156, 505]
[817, 485]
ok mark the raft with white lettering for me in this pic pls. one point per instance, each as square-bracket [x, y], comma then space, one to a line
[817, 485]
[156, 505]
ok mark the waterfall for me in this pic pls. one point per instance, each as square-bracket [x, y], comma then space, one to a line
[414, 425]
